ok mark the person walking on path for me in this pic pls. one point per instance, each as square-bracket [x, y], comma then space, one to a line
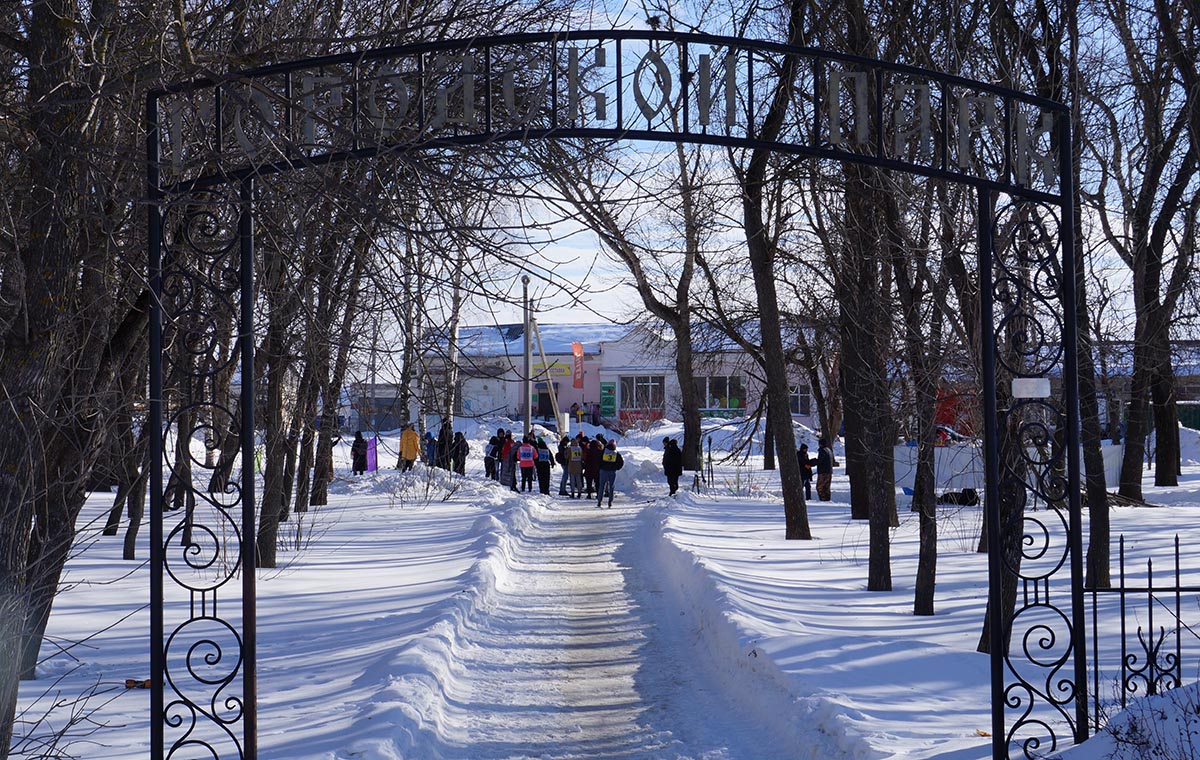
[507, 461]
[592, 452]
[358, 454]
[806, 469]
[430, 448]
[824, 470]
[672, 463]
[410, 448]
[575, 467]
[445, 444]
[458, 453]
[610, 462]
[527, 458]
[511, 464]
[544, 462]
[490, 454]
[563, 457]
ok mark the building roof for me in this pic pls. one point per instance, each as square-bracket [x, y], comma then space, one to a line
[509, 340]
[1118, 357]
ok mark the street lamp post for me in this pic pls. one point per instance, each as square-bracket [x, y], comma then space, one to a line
[528, 355]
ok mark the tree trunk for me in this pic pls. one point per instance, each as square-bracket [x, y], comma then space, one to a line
[762, 261]
[1136, 426]
[925, 503]
[304, 468]
[289, 475]
[231, 448]
[872, 487]
[813, 368]
[689, 401]
[1167, 458]
[137, 508]
[304, 460]
[134, 453]
[16, 504]
[282, 310]
[831, 392]
[1012, 513]
[332, 390]
[54, 531]
[856, 452]
[768, 443]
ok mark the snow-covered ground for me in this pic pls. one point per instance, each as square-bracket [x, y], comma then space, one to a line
[428, 617]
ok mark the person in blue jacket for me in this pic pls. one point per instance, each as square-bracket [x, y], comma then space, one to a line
[430, 448]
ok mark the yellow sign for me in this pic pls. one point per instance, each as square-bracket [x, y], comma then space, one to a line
[555, 370]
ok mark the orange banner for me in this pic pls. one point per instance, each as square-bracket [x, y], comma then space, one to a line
[577, 349]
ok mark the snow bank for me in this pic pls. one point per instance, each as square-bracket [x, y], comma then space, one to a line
[960, 465]
[410, 706]
[1164, 725]
[1189, 446]
[738, 661]
[724, 435]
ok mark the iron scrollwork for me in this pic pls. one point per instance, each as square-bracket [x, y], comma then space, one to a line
[1029, 338]
[202, 649]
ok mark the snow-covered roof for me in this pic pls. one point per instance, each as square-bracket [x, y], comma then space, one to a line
[1118, 356]
[509, 340]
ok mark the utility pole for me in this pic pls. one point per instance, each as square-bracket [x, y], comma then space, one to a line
[528, 355]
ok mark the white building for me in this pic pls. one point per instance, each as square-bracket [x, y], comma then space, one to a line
[628, 373]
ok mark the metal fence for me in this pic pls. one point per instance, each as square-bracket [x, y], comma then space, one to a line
[1156, 632]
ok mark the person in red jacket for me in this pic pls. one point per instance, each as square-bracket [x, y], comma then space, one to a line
[527, 456]
[507, 463]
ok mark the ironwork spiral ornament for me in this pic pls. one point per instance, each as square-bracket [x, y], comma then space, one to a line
[202, 648]
[1028, 332]
[1150, 669]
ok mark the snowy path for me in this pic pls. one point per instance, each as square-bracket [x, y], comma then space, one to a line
[570, 663]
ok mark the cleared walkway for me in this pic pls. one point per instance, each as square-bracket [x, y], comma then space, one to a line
[577, 660]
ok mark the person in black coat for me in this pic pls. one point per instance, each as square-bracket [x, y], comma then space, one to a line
[672, 463]
[563, 457]
[491, 455]
[358, 454]
[806, 469]
[458, 453]
[543, 463]
[824, 470]
[445, 446]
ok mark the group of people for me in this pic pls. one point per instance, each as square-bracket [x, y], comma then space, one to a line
[824, 464]
[589, 466]
[505, 459]
[448, 450]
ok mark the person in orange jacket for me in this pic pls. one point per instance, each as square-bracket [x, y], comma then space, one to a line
[410, 448]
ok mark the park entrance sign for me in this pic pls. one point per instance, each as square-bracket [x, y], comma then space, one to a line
[209, 140]
[630, 85]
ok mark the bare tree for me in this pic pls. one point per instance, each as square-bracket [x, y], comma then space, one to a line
[1143, 100]
[662, 273]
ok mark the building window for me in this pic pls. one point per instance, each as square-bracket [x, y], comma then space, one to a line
[642, 392]
[721, 392]
[801, 400]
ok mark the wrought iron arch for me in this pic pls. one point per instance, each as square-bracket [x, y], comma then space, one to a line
[208, 139]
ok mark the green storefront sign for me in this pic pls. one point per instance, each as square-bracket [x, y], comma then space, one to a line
[608, 399]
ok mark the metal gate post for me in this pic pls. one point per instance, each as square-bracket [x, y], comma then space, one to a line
[991, 463]
[247, 550]
[1070, 382]
[154, 252]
